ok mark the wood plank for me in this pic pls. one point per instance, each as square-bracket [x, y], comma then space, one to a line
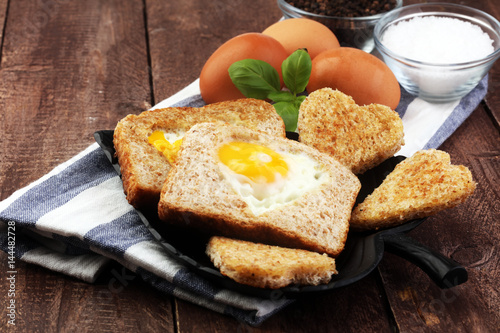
[52, 302]
[65, 75]
[356, 308]
[70, 68]
[3, 14]
[468, 234]
[492, 99]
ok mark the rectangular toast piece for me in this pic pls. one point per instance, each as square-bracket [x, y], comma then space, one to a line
[265, 266]
[419, 186]
[144, 168]
[360, 137]
[308, 207]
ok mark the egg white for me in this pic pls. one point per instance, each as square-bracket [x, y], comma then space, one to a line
[304, 174]
[173, 136]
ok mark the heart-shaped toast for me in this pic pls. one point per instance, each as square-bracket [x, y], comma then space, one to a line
[420, 186]
[360, 137]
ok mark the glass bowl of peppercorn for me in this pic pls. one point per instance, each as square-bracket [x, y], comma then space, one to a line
[352, 21]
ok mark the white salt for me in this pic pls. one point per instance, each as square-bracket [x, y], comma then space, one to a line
[438, 40]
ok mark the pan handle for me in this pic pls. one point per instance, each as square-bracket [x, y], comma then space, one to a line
[445, 272]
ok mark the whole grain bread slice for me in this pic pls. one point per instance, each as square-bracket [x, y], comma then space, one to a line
[265, 266]
[360, 137]
[144, 168]
[419, 186]
[197, 195]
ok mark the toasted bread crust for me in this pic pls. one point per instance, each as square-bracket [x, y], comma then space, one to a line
[144, 168]
[265, 266]
[420, 186]
[360, 137]
[195, 194]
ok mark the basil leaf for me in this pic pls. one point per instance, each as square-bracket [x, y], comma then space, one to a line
[296, 71]
[281, 96]
[289, 113]
[299, 100]
[254, 78]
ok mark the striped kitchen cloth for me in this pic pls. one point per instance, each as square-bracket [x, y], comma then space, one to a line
[75, 219]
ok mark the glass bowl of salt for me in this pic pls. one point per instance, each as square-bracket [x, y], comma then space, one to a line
[438, 51]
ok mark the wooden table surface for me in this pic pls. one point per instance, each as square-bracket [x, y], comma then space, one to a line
[69, 68]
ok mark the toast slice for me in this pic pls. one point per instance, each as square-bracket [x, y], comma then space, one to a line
[307, 207]
[419, 186]
[144, 168]
[360, 137]
[266, 266]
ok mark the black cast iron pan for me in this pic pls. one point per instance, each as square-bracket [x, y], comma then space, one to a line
[362, 253]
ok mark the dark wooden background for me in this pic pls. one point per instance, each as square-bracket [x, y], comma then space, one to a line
[69, 68]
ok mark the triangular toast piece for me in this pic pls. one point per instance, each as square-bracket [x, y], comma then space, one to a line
[419, 186]
[308, 206]
[144, 168]
[266, 266]
[360, 137]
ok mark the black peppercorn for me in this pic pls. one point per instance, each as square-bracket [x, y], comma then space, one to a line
[341, 8]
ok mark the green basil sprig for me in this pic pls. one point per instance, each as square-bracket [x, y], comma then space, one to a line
[257, 79]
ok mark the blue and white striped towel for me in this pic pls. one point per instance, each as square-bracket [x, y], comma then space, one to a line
[75, 219]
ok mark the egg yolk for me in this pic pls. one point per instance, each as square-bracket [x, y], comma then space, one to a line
[168, 149]
[260, 164]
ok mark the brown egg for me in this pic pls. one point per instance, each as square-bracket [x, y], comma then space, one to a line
[354, 72]
[300, 33]
[215, 82]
